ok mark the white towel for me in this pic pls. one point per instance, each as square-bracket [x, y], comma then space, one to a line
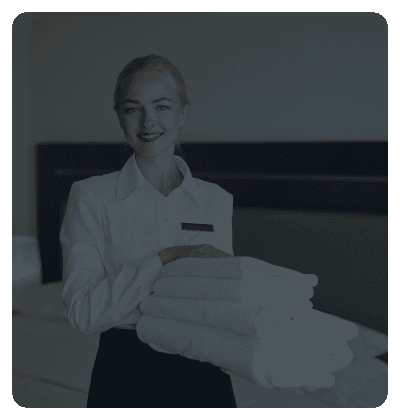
[234, 317]
[268, 363]
[236, 313]
[242, 279]
[361, 384]
[261, 322]
[230, 267]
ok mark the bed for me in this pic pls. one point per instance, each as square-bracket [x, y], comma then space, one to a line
[52, 362]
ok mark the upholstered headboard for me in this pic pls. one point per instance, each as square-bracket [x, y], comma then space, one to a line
[331, 177]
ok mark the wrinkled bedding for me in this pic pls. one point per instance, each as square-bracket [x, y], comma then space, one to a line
[52, 362]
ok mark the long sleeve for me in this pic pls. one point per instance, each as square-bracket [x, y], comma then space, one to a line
[224, 240]
[96, 302]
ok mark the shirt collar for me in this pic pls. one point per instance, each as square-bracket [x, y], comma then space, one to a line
[131, 180]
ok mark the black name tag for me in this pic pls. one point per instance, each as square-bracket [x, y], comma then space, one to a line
[198, 227]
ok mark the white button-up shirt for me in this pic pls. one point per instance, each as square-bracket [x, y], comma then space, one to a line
[113, 229]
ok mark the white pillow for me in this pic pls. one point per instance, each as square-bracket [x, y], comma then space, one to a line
[26, 268]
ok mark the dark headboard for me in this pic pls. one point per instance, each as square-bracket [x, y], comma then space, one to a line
[334, 177]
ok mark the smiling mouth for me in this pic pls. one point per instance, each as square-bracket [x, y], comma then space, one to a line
[149, 137]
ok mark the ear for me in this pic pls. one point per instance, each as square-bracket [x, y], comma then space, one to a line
[183, 116]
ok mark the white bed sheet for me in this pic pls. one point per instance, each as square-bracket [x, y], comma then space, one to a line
[52, 362]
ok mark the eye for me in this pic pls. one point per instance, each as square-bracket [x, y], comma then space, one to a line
[129, 110]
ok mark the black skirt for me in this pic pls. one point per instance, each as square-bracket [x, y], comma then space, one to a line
[129, 374]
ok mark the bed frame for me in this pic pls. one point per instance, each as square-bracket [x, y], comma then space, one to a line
[334, 177]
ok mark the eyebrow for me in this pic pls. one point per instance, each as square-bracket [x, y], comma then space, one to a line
[134, 101]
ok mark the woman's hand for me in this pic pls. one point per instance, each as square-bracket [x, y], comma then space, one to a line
[191, 251]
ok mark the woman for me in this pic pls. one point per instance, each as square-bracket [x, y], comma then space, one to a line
[118, 232]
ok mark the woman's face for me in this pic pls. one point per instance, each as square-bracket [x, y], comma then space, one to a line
[151, 114]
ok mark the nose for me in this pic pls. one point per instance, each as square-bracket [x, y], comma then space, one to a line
[148, 119]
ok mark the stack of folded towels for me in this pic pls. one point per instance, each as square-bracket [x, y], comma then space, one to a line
[248, 317]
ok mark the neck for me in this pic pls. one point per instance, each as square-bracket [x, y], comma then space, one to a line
[160, 171]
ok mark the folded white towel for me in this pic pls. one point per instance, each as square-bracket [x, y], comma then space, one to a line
[289, 363]
[235, 314]
[246, 280]
[232, 312]
[361, 384]
[235, 317]
[258, 322]
[251, 290]
[230, 267]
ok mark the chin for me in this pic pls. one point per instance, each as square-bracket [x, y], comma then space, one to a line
[152, 149]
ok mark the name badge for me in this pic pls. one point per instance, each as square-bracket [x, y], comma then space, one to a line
[197, 227]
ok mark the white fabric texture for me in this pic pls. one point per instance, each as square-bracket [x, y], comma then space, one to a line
[361, 384]
[251, 333]
[25, 262]
[52, 362]
[113, 229]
